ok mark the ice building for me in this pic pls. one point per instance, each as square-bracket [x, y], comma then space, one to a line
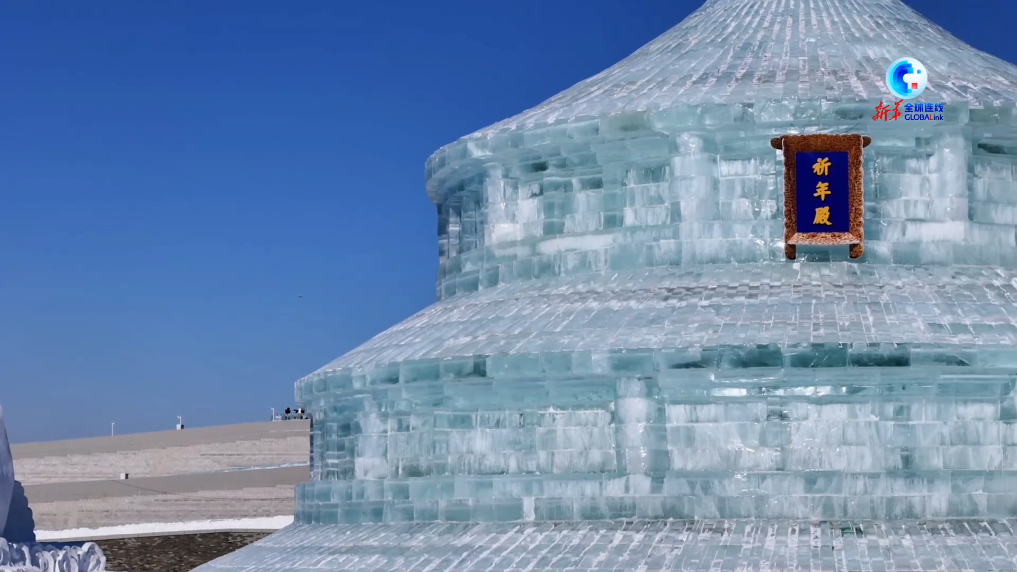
[619, 345]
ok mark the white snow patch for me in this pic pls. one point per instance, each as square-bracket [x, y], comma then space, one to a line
[269, 524]
[265, 467]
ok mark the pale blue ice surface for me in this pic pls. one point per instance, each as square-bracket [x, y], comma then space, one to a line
[651, 546]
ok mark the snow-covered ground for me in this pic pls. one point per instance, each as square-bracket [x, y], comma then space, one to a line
[268, 524]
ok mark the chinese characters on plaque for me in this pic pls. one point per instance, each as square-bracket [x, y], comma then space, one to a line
[823, 192]
[823, 185]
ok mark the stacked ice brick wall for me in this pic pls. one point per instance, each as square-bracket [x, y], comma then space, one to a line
[703, 186]
[744, 434]
[784, 390]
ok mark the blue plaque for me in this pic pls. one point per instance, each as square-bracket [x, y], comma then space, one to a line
[823, 192]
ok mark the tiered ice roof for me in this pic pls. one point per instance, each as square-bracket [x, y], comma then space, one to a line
[744, 51]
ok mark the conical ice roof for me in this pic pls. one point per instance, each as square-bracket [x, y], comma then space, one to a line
[745, 51]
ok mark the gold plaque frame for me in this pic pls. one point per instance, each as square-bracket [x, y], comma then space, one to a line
[851, 144]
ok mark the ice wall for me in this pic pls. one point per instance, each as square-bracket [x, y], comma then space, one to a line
[701, 185]
[815, 390]
[664, 158]
[887, 435]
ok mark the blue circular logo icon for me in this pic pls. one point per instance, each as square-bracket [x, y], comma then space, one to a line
[906, 78]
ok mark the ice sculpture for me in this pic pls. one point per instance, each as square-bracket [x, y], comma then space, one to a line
[6, 473]
[30, 556]
[619, 336]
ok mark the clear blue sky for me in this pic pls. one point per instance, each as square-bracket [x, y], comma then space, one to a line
[202, 201]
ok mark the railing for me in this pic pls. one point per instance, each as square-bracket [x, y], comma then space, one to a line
[290, 414]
